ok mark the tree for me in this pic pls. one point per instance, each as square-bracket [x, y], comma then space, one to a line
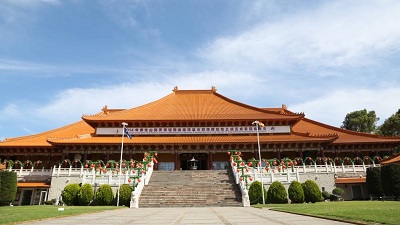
[85, 194]
[8, 187]
[311, 192]
[104, 196]
[296, 193]
[361, 121]
[255, 194]
[391, 126]
[374, 182]
[125, 194]
[277, 193]
[70, 194]
[391, 180]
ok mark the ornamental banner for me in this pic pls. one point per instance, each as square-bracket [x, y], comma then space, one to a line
[192, 130]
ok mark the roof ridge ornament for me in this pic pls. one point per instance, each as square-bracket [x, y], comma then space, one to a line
[175, 89]
[213, 89]
[105, 110]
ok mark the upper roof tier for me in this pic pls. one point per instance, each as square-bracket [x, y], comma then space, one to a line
[194, 105]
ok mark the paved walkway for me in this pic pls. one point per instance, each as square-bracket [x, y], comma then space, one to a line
[175, 216]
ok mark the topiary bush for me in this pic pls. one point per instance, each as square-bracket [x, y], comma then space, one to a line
[104, 195]
[8, 187]
[277, 193]
[338, 192]
[255, 194]
[374, 181]
[311, 192]
[85, 194]
[125, 194]
[326, 195]
[70, 194]
[296, 193]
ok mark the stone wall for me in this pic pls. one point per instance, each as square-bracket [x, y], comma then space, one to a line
[58, 184]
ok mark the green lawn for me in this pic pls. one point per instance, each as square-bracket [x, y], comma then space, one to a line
[10, 215]
[383, 212]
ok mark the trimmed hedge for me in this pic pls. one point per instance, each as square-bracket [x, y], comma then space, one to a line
[255, 194]
[296, 193]
[125, 194]
[8, 187]
[85, 194]
[391, 180]
[104, 195]
[326, 195]
[338, 192]
[70, 194]
[374, 181]
[277, 193]
[311, 192]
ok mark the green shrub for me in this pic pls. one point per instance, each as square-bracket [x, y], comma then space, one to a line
[277, 193]
[125, 194]
[311, 192]
[326, 195]
[8, 187]
[338, 192]
[70, 193]
[255, 194]
[85, 194]
[391, 180]
[374, 181]
[104, 195]
[296, 193]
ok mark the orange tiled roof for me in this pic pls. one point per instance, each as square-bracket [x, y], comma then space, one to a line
[198, 139]
[344, 136]
[77, 129]
[33, 185]
[350, 180]
[196, 105]
[193, 105]
[391, 160]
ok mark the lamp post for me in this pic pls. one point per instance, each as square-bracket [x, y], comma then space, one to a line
[257, 123]
[120, 161]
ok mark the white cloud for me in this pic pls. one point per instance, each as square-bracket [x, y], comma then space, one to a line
[334, 35]
[332, 107]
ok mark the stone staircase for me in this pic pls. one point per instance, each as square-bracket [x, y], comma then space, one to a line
[190, 188]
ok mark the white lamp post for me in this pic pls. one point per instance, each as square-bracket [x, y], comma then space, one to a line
[120, 161]
[257, 123]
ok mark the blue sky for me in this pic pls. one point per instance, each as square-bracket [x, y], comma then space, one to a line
[62, 59]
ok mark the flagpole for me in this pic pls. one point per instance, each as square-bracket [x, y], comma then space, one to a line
[120, 161]
[257, 123]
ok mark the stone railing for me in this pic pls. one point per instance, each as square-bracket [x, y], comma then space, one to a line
[113, 178]
[32, 172]
[245, 175]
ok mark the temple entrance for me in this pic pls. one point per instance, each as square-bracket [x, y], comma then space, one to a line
[194, 161]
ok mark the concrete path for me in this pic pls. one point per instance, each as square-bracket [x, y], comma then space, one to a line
[175, 216]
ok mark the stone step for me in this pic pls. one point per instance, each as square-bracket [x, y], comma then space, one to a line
[190, 188]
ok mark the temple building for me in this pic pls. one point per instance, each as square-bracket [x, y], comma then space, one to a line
[187, 125]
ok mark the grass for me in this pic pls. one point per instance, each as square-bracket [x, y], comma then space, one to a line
[368, 212]
[16, 214]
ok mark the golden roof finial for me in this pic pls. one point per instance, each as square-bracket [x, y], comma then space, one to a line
[105, 110]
